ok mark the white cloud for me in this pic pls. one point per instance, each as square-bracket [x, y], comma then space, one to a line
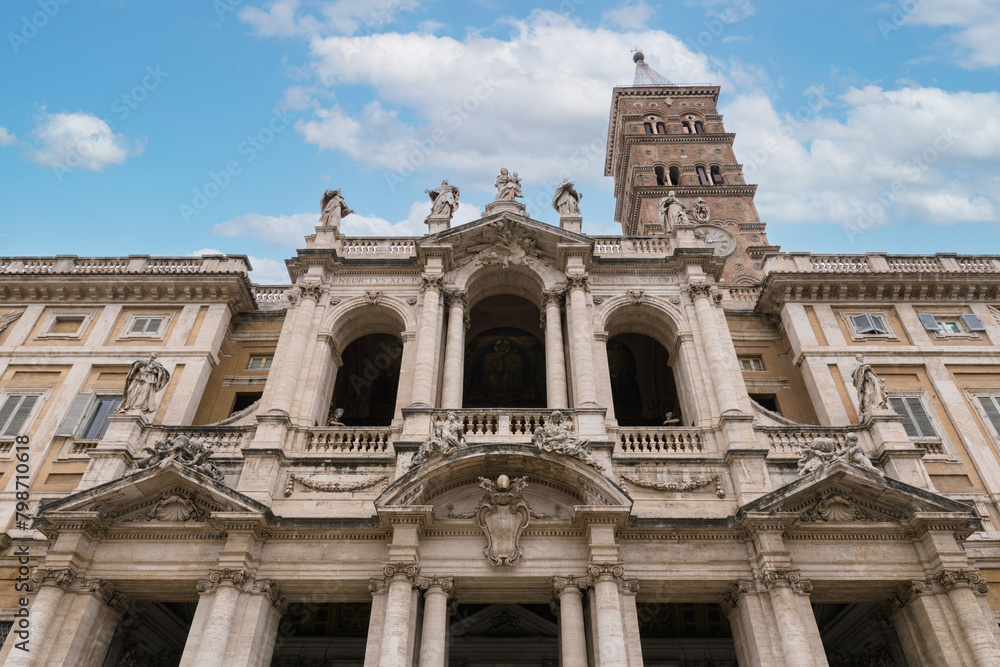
[728, 11]
[347, 17]
[6, 138]
[79, 141]
[630, 15]
[265, 271]
[975, 26]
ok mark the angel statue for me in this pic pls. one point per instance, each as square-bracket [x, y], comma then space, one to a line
[448, 437]
[444, 200]
[672, 212]
[144, 380]
[508, 186]
[566, 199]
[554, 436]
[333, 209]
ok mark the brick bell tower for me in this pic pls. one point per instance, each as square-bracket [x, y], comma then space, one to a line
[666, 138]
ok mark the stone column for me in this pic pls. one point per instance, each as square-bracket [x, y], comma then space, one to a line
[555, 359]
[88, 615]
[630, 621]
[961, 587]
[51, 585]
[289, 362]
[795, 622]
[376, 622]
[572, 633]
[396, 628]
[922, 625]
[609, 629]
[220, 592]
[434, 634]
[454, 351]
[754, 634]
[718, 361]
[422, 393]
[253, 635]
[581, 338]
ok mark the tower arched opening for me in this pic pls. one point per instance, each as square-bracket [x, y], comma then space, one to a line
[642, 382]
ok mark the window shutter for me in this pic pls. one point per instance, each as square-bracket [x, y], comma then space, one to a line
[137, 325]
[153, 325]
[921, 418]
[899, 405]
[77, 409]
[992, 411]
[973, 323]
[7, 409]
[930, 324]
[862, 322]
[877, 325]
[20, 415]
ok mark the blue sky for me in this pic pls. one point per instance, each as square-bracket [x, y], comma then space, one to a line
[169, 128]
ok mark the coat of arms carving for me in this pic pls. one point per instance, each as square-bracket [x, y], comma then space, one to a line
[503, 514]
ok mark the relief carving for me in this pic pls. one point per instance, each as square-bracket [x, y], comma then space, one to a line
[448, 437]
[193, 454]
[330, 487]
[505, 242]
[822, 451]
[373, 298]
[9, 318]
[720, 491]
[503, 514]
[554, 437]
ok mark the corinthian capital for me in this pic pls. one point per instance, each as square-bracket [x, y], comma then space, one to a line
[435, 283]
[696, 290]
[581, 281]
[310, 291]
[551, 296]
[457, 297]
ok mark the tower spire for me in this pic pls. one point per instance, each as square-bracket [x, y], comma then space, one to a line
[646, 75]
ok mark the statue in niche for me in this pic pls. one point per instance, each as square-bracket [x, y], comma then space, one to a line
[448, 437]
[871, 388]
[503, 514]
[701, 210]
[567, 199]
[672, 212]
[333, 208]
[508, 186]
[554, 437]
[444, 200]
[336, 419]
[145, 378]
[822, 451]
[191, 453]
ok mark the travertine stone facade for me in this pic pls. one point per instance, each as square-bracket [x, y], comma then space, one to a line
[509, 442]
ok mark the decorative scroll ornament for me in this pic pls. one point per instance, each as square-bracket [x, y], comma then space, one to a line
[951, 578]
[144, 380]
[676, 486]
[701, 210]
[238, 578]
[554, 437]
[448, 437]
[193, 454]
[503, 514]
[822, 451]
[791, 578]
[505, 242]
[332, 487]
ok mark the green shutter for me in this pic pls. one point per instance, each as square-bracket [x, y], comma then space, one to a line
[19, 414]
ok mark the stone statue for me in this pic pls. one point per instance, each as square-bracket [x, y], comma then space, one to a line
[508, 186]
[567, 199]
[448, 437]
[335, 418]
[193, 454]
[871, 388]
[701, 210]
[821, 451]
[144, 380]
[554, 437]
[333, 209]
[672, 212]
[503, 515]
[853, 453]
[670, 420]
[444, 200]
[505, 242]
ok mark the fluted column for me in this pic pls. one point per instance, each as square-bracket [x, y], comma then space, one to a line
[572, 631]
[396, 629]
[630, 619]
[800, 643]
[961, 587]
[434, 634]
[555, 359]
[376, 622]
[427, 340]
[609, 629]
[708, 323]
[89, 616]
[51, 585]
[581, 336]
[294, 354]
[454, 351]
[221, 590]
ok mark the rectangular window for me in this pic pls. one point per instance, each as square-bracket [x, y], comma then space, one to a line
[751, 363]
[950, 327]
[92, 412]
[991, 406]
[14, 412]
[67, 324]
[145, 326]
[916, 421]
[97, 424]
[260, 363]
[702, 176]
[868, 324]
[649, 128]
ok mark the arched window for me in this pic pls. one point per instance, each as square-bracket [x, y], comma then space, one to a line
[716, 175]
[642, 382]
[649, 128]
[686, 127]
[675, 175]
[698, 127]
[661, 128]
[660, 176]
[367, 382]
[702, 175]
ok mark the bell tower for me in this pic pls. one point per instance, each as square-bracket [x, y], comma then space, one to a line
[668, 138]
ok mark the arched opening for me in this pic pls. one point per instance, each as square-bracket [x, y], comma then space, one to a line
[716, 175]
[648, 127]
[675, 175]
[368, 380]
[642, 381]
[504, 355]
[661, 128]
[698, 127]
[702, 175]
[685, 127]
[661, 178]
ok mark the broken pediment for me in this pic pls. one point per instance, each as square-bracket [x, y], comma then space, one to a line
[173, 493]
[841, 493]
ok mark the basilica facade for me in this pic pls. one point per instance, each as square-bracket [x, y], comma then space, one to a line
[509, 442]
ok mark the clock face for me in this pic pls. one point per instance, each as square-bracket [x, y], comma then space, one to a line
[719, 240]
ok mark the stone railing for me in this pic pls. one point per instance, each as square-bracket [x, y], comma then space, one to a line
[515, 425]
[271, 294]
[379, 247]
[349, 441]
[881, 263]
[220, 439]
[133, 264]
[630, 246]
[662, 441]
[787, 440]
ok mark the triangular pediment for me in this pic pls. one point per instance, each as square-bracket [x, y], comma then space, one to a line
[504, 620]
[171, 493]
[839, 493]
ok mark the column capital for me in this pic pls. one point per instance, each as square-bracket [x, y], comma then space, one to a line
[553, 296]
[904, 594]
[52, 576]
[272, 591]
[950, 579]
[605, 571]
[305, 291]
[427, 583]
[398, 571]
[560, 584]
[629, 586]
[237, 578]
[431, 282]
[104, 591]
[732, 598]
[578, 281]
[706, 290]
[775, 578]
[457, 297]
